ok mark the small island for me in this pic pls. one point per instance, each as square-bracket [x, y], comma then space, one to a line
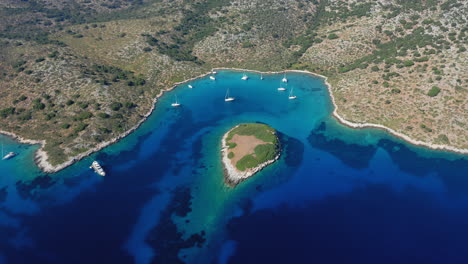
[247, 149]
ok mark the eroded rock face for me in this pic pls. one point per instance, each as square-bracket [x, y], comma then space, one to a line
[238, 147]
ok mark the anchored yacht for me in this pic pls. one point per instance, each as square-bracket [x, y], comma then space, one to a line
[291, 95]
[228, 98]
[7, 156]
[284, 79]
[176, 103]
[281, 88]
[97, 168]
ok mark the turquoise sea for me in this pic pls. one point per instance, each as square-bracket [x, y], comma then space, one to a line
[337, 195]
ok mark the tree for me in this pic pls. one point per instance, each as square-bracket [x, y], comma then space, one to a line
[332, 36]
[408, 63]
[115, 106]
[434, 91]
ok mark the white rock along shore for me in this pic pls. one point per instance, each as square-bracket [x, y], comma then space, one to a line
[233, 176]
[362, 125]
[41, 157]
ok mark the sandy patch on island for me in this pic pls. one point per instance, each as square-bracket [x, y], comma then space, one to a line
[245, 146]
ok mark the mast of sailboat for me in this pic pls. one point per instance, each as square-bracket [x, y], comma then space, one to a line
[176, 103]
[227, 94]
[291, 95]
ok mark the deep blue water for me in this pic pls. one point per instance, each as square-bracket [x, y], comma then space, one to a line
[337, 195]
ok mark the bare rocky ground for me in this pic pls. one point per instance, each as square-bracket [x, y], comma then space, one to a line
[71, 92]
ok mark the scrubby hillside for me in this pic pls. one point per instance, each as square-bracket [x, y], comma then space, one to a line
[77, 73]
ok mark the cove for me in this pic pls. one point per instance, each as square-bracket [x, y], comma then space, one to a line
[335, 195]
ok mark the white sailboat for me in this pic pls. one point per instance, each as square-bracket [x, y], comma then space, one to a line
[176, 103]
[213, 72]
[228, 98]
[285, 80]
[190, 86]
[212, 77]
[281, 88]
[7, 156]
[291, 95]
[245, 77]
[261, 76]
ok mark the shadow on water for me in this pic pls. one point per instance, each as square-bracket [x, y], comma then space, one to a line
[452, 172]
[165, 238]
[3, 194]
[292, 155]
[371, 224]
[292, 150]
[354, 155]
[27, 189]
[89, 222]
[364, 226]
[98, 221]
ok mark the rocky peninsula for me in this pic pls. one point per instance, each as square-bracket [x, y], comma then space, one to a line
[247, 149]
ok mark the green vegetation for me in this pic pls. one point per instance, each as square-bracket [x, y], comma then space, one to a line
[231, 155]
[333, 36]
[83, 116]
[262, 152]
[426, 128]
[389, 51]
[260, 131]
[107, 75]
[38, 105]
[80, 127]
[7, 111]
[443, 139]
[97, 65]
[115, 106]
[408, 63]
[434, 91]
[103, 115]
[195, 25]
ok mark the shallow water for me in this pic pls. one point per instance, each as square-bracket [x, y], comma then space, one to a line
[336, 194]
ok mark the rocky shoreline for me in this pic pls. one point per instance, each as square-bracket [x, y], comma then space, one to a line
[362, 125]
[232, 176]
[41, 157]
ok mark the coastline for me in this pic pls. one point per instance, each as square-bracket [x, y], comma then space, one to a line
[233, 176]
[350, 124]
[41, 157]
